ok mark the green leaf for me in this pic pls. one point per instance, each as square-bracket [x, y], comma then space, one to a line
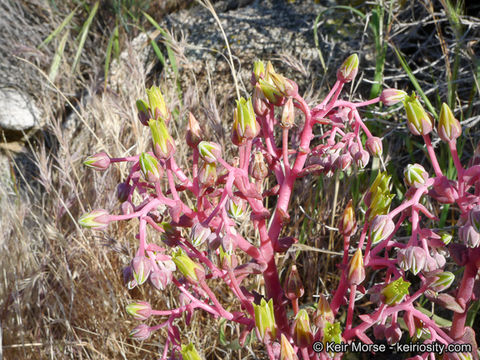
[57, 58]
[58, 29]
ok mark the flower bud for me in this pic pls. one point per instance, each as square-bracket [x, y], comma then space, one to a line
[286, 349]
[415, 175]
[141, 269]
[474, 218]
[449, 128]
[288, 115]
[157, 104]
[469, 236]
[140, 310]
[323, 314]
[96, 219]
[100, 161]
[258, 168]
[209, 151]
[236, 208]
[356, 270]
[412, 258]
[344, 161]
[190, 353]
[391, 97]
[293, 284]
[258, 70]
[446, 238]
[199, 234]
[244, 121]
[270, 91]
[194, 133]
[150, 167]
[302, 333]
[258, 101]
[192, 271]
[441, 280]
[362, 158]
[208, 174]
[141, 332]
[444, 190]
[265, 320]
[123, 190]
[162, 143]
[348, 223]
[374, 146]
[418, 120]
[143, 112]
[393, 334]
[160, 279]
[395, 291]
[381, 228]
[127, 208]
[348, 70]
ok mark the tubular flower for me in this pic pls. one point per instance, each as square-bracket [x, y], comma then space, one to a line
[449, 128]
[418, 120]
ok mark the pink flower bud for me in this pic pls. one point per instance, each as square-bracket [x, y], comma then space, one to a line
[288, 115]
[348, 223]
[393, 334]
[140, 310]
[194, 133]
[208, 174]
[199, 234]
[444, 190]
[440, 280]
[141, 269]
[474, 218]
[412, 258]
[392, 96]
[356, 270]
[141, 332]
[381, 228]
[293, 284]
[362, 158]
[258, 168]
[100, 161]
[374, 146]
[302, 333]
[469, 236]
[258, 101]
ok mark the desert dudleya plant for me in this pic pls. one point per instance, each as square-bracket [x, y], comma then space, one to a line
[202, 242]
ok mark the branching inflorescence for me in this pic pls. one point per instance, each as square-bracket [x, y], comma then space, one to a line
[203, 241]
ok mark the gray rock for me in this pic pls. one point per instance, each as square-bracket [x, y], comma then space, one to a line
[17, 110]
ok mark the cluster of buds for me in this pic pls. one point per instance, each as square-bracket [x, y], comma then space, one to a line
[199, 210]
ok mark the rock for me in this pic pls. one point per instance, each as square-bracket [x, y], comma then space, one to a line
[17, 110]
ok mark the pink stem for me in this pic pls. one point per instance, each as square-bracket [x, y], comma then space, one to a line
[433, 157]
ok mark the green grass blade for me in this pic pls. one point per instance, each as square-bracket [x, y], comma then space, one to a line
[170, 53]
[317, 45]
[108, 55]
[83, 35]
[414, 81]
[57, 58]
[158, 52]
[58, 29]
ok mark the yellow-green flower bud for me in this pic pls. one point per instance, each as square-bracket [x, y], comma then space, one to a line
[236, 208]
[348, 223]
[302, 333]
[348, 70]
[190, 353]
[449, 128]
[245, 123]
[392, 96]
[356, 270]
[209, 151]
[286, 349]
[258, 70]
[157, 104]
[418, 120]
[442, 281]
[293, 284]
[150, 167]
[265, 320]
[192, 271]
[415, 175]
[162, 143]
[271, 92]
[96, 219]
[395, 292]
